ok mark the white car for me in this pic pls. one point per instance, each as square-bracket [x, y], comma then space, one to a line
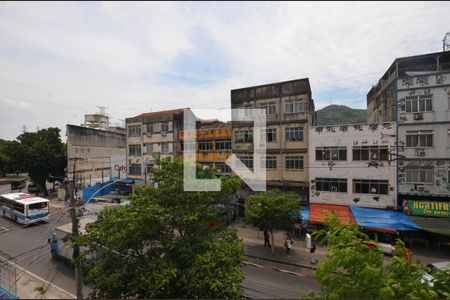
[428, 276]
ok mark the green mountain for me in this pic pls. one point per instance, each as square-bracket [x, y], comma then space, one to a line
[340, 114]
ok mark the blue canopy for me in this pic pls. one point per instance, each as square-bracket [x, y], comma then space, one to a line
[304, 213]
[383, 219]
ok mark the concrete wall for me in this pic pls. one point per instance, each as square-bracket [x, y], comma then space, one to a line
[350, 136]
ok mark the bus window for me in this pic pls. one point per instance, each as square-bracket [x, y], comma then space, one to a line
[19, 207]
[41, 205]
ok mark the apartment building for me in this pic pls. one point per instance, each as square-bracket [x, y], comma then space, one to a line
[352, 165]
[213, 144]
[289, 113]
[148, 133]
[415, 93]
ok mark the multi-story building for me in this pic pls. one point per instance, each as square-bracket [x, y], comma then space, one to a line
[213, 144]
[101, 151]
[351, 165]
[289, 113]
[148, 133]
[415, 93]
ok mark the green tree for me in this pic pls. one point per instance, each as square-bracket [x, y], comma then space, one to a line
[43, 154]
[355, 271]
[274, 208]
[162, 245]
[11, 157]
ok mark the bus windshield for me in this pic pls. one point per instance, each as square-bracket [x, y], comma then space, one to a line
[37, 208]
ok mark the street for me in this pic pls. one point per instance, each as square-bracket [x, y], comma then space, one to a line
[28, 247]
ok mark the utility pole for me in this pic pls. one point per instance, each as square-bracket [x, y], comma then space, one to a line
[75, 220]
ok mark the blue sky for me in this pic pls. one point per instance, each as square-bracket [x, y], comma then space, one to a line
[58, 61]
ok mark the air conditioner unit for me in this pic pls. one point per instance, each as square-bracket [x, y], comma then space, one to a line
[418, 116]
[420, 188]
[420, 152]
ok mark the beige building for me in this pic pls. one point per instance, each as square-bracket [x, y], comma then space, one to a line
[289, 113]
[148, 133]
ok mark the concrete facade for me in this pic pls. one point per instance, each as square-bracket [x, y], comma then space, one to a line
[103, 153]
[351, 165]
[415, 93]
[289, 113]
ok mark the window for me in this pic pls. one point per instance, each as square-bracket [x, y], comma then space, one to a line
[149, 148]
[246, 161]
[164, 148]
[270, 135]
[150, 128]
[364, 186]
[149, 167]
[378, 153]
[419, 103]
[188, 146]
[331, 153]
[164, 127]
[294, 163]
[294, 134]
[222, 168]
[270, 108]
[41, 205]
[419, 139]
[419, 174]
[19, 207]
[134, 150]
[135, 169]
[268, 162]
[134, 130]
[331, 185]
[248, 110]
[205, 146]
[294, 106]
[244, 136]
[223, 145]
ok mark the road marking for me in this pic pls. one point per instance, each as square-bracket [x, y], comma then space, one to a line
[42, 279]
[277, 269]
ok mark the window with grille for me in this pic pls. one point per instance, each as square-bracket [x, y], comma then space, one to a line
[149, 148]
[135, 169]
[247, 161]
[244, 136]
[149, 167]
[376, 153]
[370, 186]
[205, 146]
[331, 185]
[164, 127]
[134, 130]
[419, 103]
[150, 128]
[268, 134]
[331, 153]
[419, 139]
[294, 163]
[270, 108]
[164, 148]
[268, 162]
[294, 134]
[294, 106]
[187, 146]
[419, 174]
[224, 145]
[134, 149]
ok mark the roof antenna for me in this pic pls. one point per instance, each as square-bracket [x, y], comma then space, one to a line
[446, 42]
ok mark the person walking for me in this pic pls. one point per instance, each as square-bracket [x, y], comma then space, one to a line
[266, 238]
[313, 254]
[288, 243]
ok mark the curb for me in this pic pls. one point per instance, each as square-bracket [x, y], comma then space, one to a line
[281, 262]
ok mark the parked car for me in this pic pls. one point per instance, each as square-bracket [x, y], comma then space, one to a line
[33, 188]
[431, 268]
[18, 185]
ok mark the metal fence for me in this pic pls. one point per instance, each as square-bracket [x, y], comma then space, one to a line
[8, 287]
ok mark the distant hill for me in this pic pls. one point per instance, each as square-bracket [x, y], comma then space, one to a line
[340, 114]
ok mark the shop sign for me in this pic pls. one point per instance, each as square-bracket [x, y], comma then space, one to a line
[427, 208]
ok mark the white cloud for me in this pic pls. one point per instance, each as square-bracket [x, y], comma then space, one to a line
[63, 59]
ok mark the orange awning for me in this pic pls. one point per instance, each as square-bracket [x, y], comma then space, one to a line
[317, 213]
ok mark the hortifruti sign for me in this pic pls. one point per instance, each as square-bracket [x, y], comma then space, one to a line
[427, 208]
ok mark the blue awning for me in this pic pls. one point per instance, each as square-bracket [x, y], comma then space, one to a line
[383, 219]
[304, 213]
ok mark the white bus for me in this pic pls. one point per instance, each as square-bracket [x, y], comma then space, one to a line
[24, 208]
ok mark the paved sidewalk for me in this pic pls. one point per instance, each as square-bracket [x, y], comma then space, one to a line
[254, 247]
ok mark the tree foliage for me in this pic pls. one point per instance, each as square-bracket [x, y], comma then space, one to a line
[355, 271]
[274, 208]
[162, 245]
